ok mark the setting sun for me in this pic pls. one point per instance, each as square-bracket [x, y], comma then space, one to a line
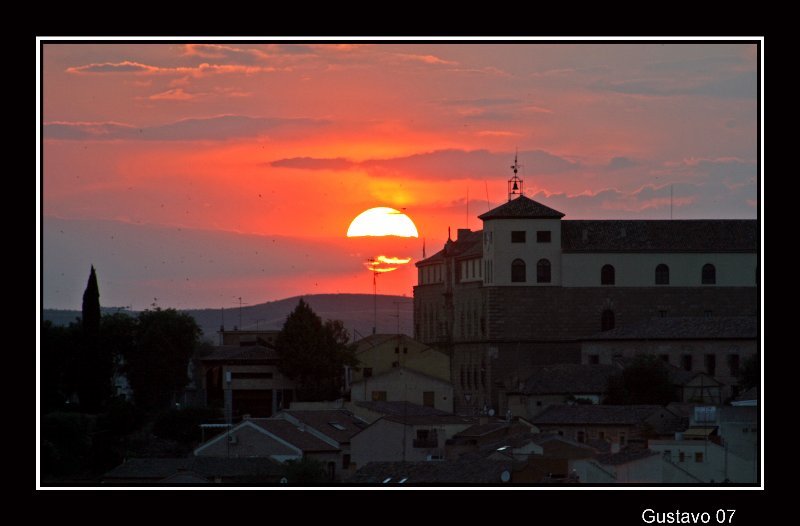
[382, 221]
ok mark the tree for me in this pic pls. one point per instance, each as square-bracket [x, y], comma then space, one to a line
[646, 380]
[749, 372]
[313, 353]
[156, 366]
[95, 365]
[59, 364]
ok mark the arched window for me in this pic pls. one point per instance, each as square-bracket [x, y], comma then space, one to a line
[662, 274]
[543, 271]
[518, 271]
[709, 276]
[607, 320]
[607, 275]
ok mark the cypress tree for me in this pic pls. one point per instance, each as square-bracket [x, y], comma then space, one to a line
[90, 309]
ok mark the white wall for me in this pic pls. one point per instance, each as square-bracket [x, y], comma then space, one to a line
[639, 270]
[404, 385]
[718, 462]
[501, 251]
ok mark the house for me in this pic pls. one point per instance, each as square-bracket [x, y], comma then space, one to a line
[404, 385]
[406, 438]
[530, 286]
[242, 379]
[713, 346]
[492, 438]
[618, 424]
[720, 444]
[338, 426]
[381, 353]
[194, 470]
[631, 465]
[291, 435]
[559, 384]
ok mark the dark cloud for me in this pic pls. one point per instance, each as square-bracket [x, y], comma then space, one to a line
[310, 163]
[441, 164]
[620, 163]
[739, 85]
[211, 128]
[113, 67]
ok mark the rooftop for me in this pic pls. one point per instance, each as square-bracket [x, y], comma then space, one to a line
[680, 328]
[522, 208]
[292, 434]
[432, 472]
[226, 353]
[595, 414]
[625, 455]
[338, 424]
[430, 420]
[696, 235]
[161, 468]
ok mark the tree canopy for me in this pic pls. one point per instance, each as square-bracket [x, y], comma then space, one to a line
[749, 372]
[156, 365]
[646, 380]
[313, 353]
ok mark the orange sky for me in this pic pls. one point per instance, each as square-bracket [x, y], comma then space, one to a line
[196, 174]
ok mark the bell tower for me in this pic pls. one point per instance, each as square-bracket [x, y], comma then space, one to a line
[515, 183]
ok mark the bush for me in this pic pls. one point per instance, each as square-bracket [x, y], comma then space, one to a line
[65, 443]
[183, 425]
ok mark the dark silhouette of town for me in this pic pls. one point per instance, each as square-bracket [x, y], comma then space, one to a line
[543, 350]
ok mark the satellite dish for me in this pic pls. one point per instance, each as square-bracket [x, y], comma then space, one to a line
[284, 481]
[491, 412]
[505, 476]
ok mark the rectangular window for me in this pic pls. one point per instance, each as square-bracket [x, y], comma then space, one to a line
[367, 372]
[733, 364]
[686, 362]
[581, 437]
[542, 236]
[345, 461]
[397, 350]
[622, 439]
[378, 396]
[711, 364]
[246, 375]
[428, 398]
[664, 357]
[594, 359]
[681, 456]
[698, 456]
[601, 435]
[517, 236]
[662, 314]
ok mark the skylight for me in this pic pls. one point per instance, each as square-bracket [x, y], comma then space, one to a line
[337, 425]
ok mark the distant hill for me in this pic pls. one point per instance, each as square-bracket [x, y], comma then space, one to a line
[355, 310]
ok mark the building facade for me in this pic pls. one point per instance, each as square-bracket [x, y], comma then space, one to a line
[527, 288]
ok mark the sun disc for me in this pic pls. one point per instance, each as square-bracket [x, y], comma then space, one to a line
[382, 221]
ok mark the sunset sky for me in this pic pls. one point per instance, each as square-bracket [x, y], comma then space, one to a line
[200, 173]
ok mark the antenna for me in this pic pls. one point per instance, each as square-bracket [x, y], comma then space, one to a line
[487, 194]
[515, 183]
[371, 262]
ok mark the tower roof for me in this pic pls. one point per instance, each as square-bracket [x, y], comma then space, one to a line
[522, 208]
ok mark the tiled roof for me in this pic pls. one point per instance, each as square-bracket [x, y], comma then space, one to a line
[328, 422]
[595, 414]
[680, 328]
[700, 235]
[521, 207]
[290, 433]
[374, 340]
[625, 455]
[237, 353]
[160, 468]
[479, 430]
[401, 408]
[432, 472]
[569, 378]
[468, 244]
[430, 420]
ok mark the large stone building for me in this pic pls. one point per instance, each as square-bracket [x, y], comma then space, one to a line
[528, 287]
